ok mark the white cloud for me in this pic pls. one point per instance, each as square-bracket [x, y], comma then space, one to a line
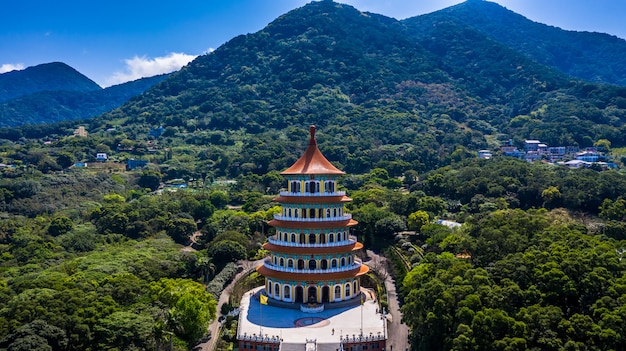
[141, 67]
[8, 67]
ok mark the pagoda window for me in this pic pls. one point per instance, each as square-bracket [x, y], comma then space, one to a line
[328, 213]
[269, 287]
[300, 264]
[285, 237]
[295, 213]
[329, 186]
[312, 238]
[337, 292]
[349, 260]
[331, 238]
[320, 213]
[293, 237]
[295, 186]
[312, 187]
[348, 290]
[312, 264]
[333, 263]
[289, 213]
[302, 238]
[312, 213]
[324, 264]
[275, 261]
[334, 212]
[304, 213]
[343, 262]
[290, 263]
[341, 211]
[287, 291]
[322, 238]
[355, 286]
[277, 289]
[282, 262]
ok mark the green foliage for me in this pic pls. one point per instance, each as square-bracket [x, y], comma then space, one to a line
[542, 287]
[60, 225]
[189, 307]
[418, 219]
[227, 251]
[149, 179]
[219, 282]
[181, 229]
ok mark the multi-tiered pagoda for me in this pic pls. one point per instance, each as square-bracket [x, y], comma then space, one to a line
[312, 256]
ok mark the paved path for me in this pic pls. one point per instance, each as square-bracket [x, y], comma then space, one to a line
[214, 327]
[398, 332]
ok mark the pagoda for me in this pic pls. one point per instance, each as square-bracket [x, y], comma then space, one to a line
[312, 262]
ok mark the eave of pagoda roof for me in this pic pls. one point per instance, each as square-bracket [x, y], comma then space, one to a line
[306, 250]
[267, 272]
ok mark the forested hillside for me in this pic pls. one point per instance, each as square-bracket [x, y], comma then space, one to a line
[594, 57]
[106, 257]
[55, 92]
[55, 76]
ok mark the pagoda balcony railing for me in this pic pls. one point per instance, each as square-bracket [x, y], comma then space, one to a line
[346, 216]
[350, 241]
[269, 264]
[334, 193]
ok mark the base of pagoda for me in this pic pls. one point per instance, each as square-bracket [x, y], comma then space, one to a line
[326, 305]
[312, 307]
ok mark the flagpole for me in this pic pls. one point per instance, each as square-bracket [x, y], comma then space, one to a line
[362, 302]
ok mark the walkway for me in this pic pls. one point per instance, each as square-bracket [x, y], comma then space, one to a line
[214, 327]
[398, 332]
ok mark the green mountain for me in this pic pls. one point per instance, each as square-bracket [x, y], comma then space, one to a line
[374, 87]
[67, 104]
[594, 57]
[54, 76]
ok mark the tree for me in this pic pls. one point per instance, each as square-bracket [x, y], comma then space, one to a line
[418, 219]
[227, 251]
[60, 225]
[181, 229]
[125, 330]
[65, 159]
[37, 335]
[149, 179]
[219, 199]
[189, 308]
[551, 197]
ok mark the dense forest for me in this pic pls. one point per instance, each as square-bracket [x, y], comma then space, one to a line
[108, 258]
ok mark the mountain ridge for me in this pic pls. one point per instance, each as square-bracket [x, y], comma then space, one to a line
[54, 92]
[52, 76]
[591, 56]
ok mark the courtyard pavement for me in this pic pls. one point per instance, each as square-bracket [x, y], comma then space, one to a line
[295, 327]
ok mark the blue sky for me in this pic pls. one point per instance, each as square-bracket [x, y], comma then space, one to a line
[115, 41]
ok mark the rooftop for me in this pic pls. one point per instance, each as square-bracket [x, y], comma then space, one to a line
[312, 161]
[295, 326]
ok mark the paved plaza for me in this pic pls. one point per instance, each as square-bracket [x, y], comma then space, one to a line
[295, 327]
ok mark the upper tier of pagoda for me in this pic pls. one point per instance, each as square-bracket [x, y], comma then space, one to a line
[312, 161]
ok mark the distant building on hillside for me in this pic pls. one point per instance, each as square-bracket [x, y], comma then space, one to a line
[80, 132]
[484, 154]
[102, 156]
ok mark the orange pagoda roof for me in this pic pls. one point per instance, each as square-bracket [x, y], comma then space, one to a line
[312, 162]
[312, 276]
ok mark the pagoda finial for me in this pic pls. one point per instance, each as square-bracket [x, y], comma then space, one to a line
[312, 141]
